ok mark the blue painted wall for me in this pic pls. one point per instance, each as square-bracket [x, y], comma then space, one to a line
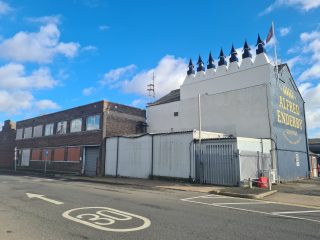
[288, 126]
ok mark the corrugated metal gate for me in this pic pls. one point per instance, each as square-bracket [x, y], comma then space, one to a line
[91, 159]
[218, 162]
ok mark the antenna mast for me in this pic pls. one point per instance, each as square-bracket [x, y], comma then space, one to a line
[150, 88]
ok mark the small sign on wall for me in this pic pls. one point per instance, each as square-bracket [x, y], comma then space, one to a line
[297, 160]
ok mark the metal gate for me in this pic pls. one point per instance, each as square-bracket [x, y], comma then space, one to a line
[217, 162]
[91, 160]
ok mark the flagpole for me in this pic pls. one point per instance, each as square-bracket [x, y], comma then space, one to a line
[275, 53]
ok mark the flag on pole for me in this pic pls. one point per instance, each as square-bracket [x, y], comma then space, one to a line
[270, 34]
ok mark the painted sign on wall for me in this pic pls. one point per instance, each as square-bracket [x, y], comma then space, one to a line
[289, 114]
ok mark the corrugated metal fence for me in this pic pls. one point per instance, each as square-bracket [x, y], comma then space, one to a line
[165, 155]
[217, 162]
[223, 161]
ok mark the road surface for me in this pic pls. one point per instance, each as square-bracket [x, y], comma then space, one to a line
[38, 208]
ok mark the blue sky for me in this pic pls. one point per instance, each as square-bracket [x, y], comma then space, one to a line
[60, 54]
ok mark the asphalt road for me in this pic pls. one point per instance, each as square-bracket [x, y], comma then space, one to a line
[76, 210]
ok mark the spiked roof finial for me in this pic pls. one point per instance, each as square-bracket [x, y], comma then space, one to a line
[246, 51]
[210, 62]
[233, 55]
[190, 68]
[200, 65]
[222, 58]
[260, 45]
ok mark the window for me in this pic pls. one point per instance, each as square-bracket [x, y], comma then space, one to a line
[37, 131]
[175, 114]
[93, 122]
[49, 129]
[19, 133]
[62, 127]
[27, 132]
[76, 125]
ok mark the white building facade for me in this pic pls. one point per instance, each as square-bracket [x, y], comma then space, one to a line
[242, 99]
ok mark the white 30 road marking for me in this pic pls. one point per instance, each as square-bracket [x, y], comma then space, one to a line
[223, 205]
[42, 197]
[99, 217]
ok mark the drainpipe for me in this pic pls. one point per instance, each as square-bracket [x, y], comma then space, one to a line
[117, 156]
[15, 159]
[306, 134]
[190, 157]
[151, 157]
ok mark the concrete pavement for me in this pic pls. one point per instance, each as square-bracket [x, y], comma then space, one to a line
[300, 193]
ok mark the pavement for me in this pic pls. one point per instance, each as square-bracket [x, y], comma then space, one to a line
[300, 193]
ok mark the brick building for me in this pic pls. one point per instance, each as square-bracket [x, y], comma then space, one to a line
[72, 140]
[7, 143]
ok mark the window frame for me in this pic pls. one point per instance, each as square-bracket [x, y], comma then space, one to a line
[71, 125]
[94, 126]
[19, 134]
[65, 124]
[45, 129]
[35, 130]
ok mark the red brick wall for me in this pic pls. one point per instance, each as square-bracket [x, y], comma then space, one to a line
[7, 144]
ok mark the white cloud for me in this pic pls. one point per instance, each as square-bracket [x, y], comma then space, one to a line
[284, 31]
[54, 19]
[40, 47]
[303, 5]
[140, 102]
[311, 95]
[13, 102]
[88, 91]
[312, 72]
[169, 75]
[311, 45]
[5, 8]
[293, 61]
[89, 48]
[103, 27]
[16, 88]
[305, 37]
[46, 104]
[13, 76]
[114, 75]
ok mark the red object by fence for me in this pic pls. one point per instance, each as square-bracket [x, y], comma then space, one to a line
[263, 182]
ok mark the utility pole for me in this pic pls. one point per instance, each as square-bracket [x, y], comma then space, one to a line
[150, 88]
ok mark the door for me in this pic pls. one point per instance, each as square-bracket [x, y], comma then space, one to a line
[91, 160]
[25, 157]
[217, 162]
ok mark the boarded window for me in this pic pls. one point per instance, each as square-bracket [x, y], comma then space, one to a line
[58, 154]
[27, 132]
[62, 127]
[76, 125]
[49, 129]
[37, 131]
[74, 154]
[46, 154]
[35, 154]
[19, 133]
